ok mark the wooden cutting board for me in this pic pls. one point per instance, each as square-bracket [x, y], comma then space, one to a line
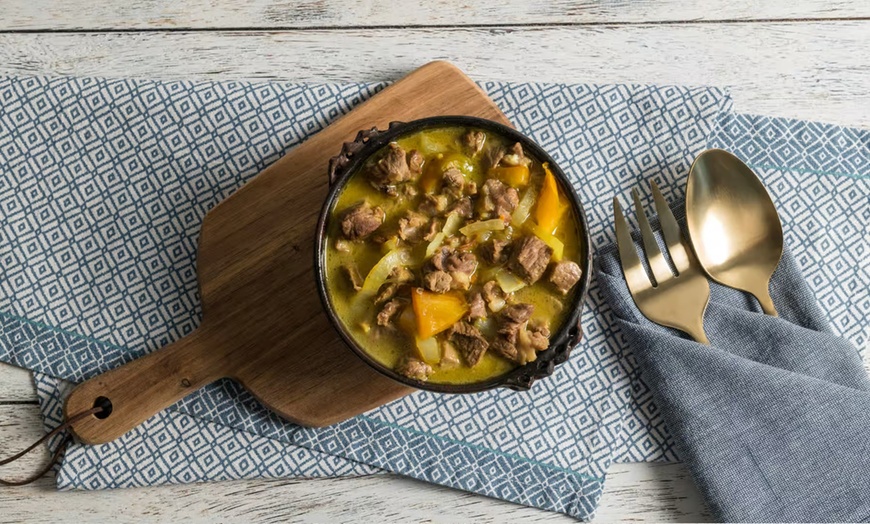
[263, 323]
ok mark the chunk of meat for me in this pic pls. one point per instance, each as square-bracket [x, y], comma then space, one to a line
[476, 307]
[352, 272]
[493, 156]
[401, 274]
[518, 313]
[412, 226]
[437, 281]
[516, 157]
[435, 227]
[462, 207]
[461, 261]
[407, 191]
[494, 296]
[498, 199]
[386, 292]
[525, 351]
[539, 337]
[454, 178]
[512, 319]
[437, 260]
[517, 338]
[434, 204]
[564, 275]
[413, 368]
[522, 345]
[492, 290]
[504, 347]
[473, 141]
[495, 251]
[389, 312]
[415, 162]
[468, 341]
[391, 169]
[470, 188]
[361, 220]
[529, 258]
[461, 266]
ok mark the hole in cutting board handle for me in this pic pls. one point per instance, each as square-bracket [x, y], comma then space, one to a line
[106, 404]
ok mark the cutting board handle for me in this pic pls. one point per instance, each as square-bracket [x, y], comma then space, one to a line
[143, 387]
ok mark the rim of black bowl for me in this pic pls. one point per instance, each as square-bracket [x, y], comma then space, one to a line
[570, 328]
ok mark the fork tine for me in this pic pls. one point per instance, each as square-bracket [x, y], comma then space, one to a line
[635, 276]
[670, 230]
[657, 263]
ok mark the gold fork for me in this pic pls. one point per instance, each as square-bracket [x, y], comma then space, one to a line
[676, 301]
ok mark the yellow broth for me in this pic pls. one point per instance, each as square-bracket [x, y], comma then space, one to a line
[389, 346]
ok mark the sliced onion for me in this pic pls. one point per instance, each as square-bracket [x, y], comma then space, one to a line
[391, 244]
[496, 224]
[496, 304]
[435, 244]
[509, 282]
[381, 272]
[524, 208]
[429, 350]
[460, 279]
[450, 226]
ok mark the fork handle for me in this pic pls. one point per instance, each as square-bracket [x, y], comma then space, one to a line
[700, 337]
[697, 333]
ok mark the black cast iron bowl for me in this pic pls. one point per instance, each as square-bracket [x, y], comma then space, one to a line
[354, 154]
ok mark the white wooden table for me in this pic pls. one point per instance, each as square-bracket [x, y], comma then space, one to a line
[796, 58]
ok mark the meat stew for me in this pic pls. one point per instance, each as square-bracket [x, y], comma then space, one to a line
[452, 255]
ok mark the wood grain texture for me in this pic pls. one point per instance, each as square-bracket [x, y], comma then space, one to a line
[263, 323]
[15, 384]
[814, 70]
[805, 69]
[264, 14]
[656, 492]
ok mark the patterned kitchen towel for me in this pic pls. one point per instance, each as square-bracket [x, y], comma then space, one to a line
[104, 185]
[819, 178]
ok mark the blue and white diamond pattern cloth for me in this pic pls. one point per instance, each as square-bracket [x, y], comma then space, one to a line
[103, 185]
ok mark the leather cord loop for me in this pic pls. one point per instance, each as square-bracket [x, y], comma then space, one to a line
[57, 454]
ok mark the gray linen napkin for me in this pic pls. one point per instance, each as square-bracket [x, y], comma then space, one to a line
[772, 419]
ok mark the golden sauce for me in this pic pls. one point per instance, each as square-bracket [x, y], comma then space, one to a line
[389, 346]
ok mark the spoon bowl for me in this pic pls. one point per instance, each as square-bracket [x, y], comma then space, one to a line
[733, 225]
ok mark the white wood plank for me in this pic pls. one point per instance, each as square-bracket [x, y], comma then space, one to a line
[170, 14]
[657, 492]
[16, 384]
[807, 70]
[653, 492]
[812, 70]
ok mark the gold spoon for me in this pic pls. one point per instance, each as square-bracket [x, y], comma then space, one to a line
[733, 226]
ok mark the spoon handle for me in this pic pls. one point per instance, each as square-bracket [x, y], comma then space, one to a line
[763, 297]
